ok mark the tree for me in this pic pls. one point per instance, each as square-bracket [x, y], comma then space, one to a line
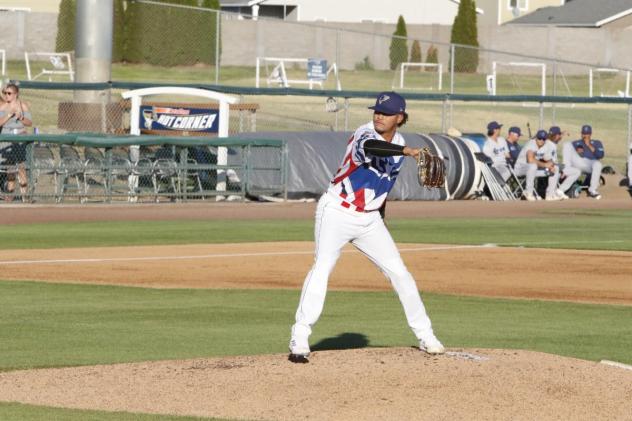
[432, 55]
[415, 52]
[118, 31]
[398, 51]
[171, 36]
[65, 40]
[464, 32]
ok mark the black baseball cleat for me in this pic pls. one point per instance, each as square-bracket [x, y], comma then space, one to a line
[298, 358]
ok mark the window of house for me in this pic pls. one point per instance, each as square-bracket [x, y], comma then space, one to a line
[518, 4]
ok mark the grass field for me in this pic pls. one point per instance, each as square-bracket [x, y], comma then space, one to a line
[53, 325]
[596, 230]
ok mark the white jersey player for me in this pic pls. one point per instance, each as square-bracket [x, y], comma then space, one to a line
[537, 159]
[497, 150]
[569, 174]
[350, 212]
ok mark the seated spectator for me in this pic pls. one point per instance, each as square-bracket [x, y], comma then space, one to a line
[496, 149]
[15, 116]
[568, 174]
[512, 144]
[585, 155]
[536, 159]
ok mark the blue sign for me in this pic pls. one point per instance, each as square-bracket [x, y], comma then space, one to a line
[182, 119]
[316, 69]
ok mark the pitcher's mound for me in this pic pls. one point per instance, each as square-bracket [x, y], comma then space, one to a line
[367, 384]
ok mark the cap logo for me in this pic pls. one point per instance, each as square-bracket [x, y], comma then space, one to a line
[383, 98]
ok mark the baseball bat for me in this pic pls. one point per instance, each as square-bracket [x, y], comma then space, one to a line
[529, 130]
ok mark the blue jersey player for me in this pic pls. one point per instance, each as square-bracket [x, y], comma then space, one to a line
[350, 212]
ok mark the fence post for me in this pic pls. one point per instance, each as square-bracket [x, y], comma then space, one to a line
[452, 56]
[541, 115]
[217, 34]
[29, 167]
[629, 146]
[346, 113]
[444, 113]
[553, 117]
[338, 38]
[284, 168]
[108, 174]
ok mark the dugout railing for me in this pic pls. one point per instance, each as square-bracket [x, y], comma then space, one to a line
[92, 167]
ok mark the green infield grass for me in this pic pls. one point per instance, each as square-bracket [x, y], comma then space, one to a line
[20, 412]
[572, 229]
[54, 325]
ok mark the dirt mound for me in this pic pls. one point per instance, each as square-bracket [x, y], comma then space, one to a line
[368, 384]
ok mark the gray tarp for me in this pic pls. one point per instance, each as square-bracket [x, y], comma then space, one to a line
[314, 157]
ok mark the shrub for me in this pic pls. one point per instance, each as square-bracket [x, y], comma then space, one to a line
[170, 36]
[65, 40]
[365, 64]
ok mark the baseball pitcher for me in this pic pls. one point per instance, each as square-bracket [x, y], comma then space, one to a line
[350, 212]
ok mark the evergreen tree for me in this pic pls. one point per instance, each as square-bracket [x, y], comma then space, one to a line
[415, 52]
[170, 36]
[465, 32]
[432, 55]
[65, 40]
[398, 51]
[118, 31]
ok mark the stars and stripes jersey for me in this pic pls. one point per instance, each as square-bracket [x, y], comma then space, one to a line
[363, 180]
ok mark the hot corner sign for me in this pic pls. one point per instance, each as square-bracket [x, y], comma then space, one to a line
[179, 118]
[189, 119]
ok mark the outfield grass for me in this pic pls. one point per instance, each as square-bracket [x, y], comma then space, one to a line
[572, 229]
[53, 325]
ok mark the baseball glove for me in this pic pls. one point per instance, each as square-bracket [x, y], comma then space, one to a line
[430, 169]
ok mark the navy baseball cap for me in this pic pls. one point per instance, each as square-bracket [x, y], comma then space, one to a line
[515, 130]
[389, 103]
[493, 125]
[541, 134]
[555, 130]
[586, 129]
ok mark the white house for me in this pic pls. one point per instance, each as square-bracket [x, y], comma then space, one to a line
[421, 12]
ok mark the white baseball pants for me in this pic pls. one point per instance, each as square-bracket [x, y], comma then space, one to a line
[335, 227]
[572, 174]
[531, 171]
[585, 165]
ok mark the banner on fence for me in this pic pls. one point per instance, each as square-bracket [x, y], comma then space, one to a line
[178, 119]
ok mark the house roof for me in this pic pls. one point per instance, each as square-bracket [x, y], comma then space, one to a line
[586, 13]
